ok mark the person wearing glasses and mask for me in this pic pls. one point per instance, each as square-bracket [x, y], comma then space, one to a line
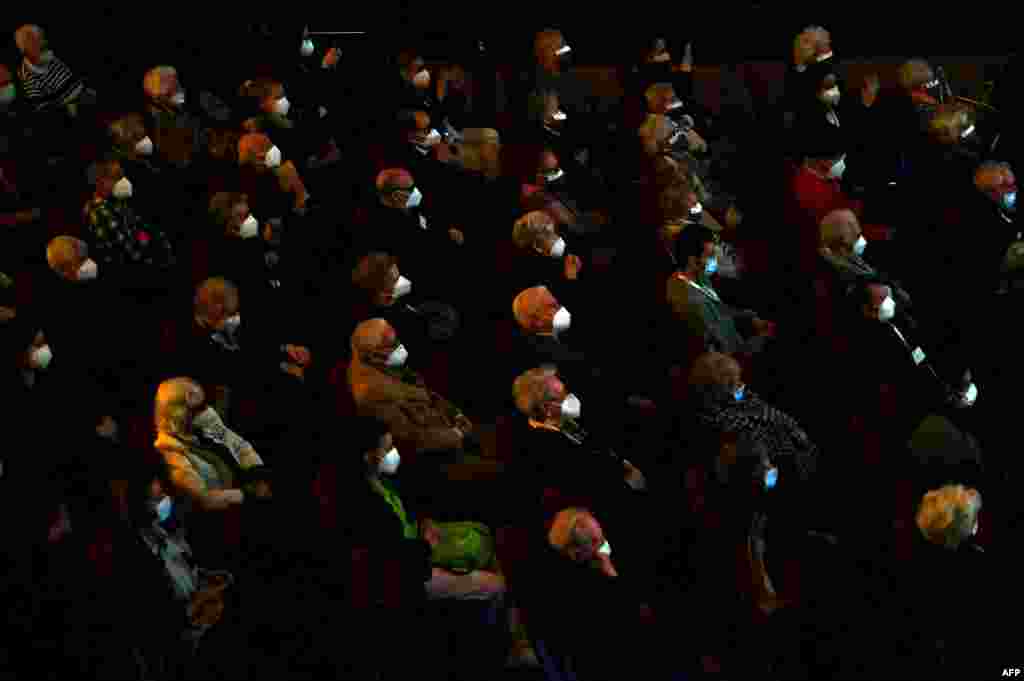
[542, 255]
[300, 132]
[250, 251]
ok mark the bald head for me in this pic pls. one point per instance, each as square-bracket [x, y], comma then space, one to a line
[69, 258]
[839, 232]
[373, 341]
[216, 301]
[535, 309]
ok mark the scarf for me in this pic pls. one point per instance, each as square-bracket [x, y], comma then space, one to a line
[778, 431]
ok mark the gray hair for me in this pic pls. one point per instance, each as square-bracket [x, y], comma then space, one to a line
[530, 390]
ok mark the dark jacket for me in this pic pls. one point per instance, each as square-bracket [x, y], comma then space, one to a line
[258, 356]
[419, 249]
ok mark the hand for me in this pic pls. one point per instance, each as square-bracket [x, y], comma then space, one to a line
[331, 58]
[695, 142]
[869, 90]
[573, 265]
[429, 532]
[299, 355]
[107, 428]
[463, 424]
[764, 328]
[634, 478]
[456, 236]
[7, 314]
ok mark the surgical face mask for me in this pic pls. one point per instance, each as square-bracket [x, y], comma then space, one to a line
[823, 57]
[554, 176]
[144, 146]
[558, 248]
[41, 357]
[571, 407]
[1009, 200]
[402, 287]
[831, 96]
[122, 189]
[282, 106]
[163, 509]
[837, 170]
[661, 57]
[559, 116]
[971, 395]
[397, 357]
[564, 50]
[676, 104]
[739, 393]
[712, 265]
[414, 198]
[7, 94]
[887, 310]
[860, 245]
[974, 531]
[307, 48]
[697, 210]
[249, 228]
[771, 476]
[562, 321]
[389, 464]
[178, 98]
[88, 270]
[273, 157]
[232, 323]
[606, 549]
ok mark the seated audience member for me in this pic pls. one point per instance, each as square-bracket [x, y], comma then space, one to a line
[541, 255]
[267, 176]
[704, 317]
[429, 157]
[679, 205]
[398, 225]
[543, 326]
[246, 251]
[47, 82]
[162, 563]
[920, 89]
[483, 186]
[209, 463]
[842, 245]
[413, 88]
[303, 136]
[574, 587]
[723, 403]
[178, 136]
[155, 190]
[454, 103]
[555, 451]
[889, 356]
[249, 359]
[130, 247]
[574, 189]
[83, 365]
[383, 387]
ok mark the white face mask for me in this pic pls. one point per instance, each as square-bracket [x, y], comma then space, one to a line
[571, 407]
[697, 210]
[606, 549]
[163, 509]
[144, 146]
[397, 357]
[414, 198]
[122, 189]
[88, 270]
[232, 323]
[887, 310]
[558, 248]
[832, 95]
[559, 116]
[553, 177]
[389, 464]
[178, 99]
[974, 531]
[971, 395]
[272, 159]
[41, 357]
[402, 287]
[564, 50]
[249, 228]
[858, 248]
[823, 57]
[562, 321]
[282, 106]
[837, 170]
[307, 48]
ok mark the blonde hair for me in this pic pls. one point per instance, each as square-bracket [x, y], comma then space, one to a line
[175, 398]
[531, 228]
[946, 124]
[157, 81]
[530, 390]
[947, 515]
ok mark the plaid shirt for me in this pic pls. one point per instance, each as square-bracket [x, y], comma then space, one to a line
[120, 237]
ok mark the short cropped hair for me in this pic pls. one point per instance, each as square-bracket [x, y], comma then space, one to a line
[946, 516]
[530, 391]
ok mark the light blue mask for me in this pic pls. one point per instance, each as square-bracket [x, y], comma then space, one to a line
[771, 476]
[712, 266]
[1010, 200]
[740, 393]
[164, 508]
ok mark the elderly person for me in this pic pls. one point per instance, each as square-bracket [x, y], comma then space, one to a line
[542, 254]
[301, 133]
[383, 387]
[47, 82]
[842, 247]
[266, 174]
[212, 468]
[127, 245]
[178, 136]
[245, 249]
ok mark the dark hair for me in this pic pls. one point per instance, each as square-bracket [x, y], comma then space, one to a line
[691, 243]
[367, 432]
[138, 490]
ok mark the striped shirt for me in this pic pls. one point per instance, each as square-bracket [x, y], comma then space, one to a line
[49, 85]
